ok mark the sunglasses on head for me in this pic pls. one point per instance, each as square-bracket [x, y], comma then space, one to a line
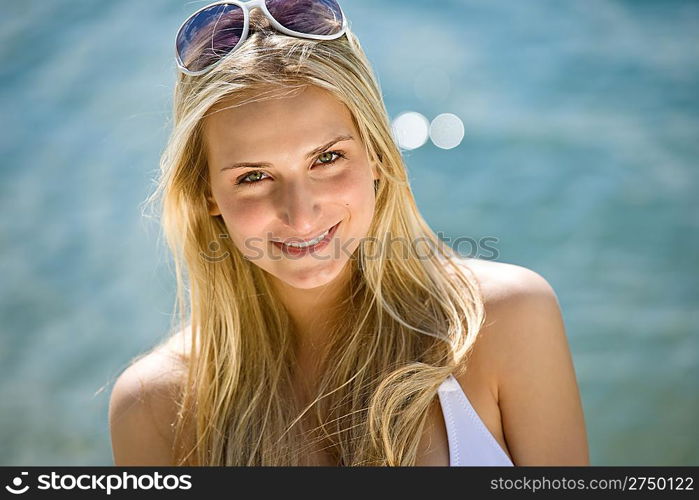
[218, 29]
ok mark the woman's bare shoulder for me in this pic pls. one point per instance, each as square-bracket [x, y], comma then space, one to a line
[513, 296]
[144, 404]
[525, 344]
[503, 282]
[507, 291]
[178, 346]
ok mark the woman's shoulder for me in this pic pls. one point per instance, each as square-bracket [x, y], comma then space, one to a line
[163, 366]
[144, 403]
[514, 296]
[502, 282]
[523, 350]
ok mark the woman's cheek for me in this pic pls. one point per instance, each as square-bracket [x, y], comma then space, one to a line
[352, 180]
[358, 200]
[244, 219]
[359, 189]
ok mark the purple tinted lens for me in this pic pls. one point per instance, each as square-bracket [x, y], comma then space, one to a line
[312, 17]
[210, 35]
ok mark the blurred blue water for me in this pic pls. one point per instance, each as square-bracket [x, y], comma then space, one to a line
[580, 156]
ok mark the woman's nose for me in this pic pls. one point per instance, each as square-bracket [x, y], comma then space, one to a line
[300, 208]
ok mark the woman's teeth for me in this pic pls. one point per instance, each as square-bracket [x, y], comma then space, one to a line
[309, 243]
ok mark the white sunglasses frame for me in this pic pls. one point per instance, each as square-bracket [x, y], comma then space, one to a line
[246, 7]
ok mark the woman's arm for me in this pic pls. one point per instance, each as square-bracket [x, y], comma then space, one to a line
[538, 394]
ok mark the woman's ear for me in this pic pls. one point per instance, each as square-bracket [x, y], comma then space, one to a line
[375, 169]
[376, 180]
[212, 206]
[375, 174]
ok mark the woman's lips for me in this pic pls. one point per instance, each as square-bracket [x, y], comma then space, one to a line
[301, 241]
[296, 252]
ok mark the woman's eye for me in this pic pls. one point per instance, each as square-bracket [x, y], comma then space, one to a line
[326, 159]
[251, 175]
[329, 155]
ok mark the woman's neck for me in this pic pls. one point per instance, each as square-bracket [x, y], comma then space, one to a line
[312, 309]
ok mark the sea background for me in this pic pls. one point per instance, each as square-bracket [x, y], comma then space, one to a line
[580, 156]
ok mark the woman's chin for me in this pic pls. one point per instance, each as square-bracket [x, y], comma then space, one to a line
[308, 277]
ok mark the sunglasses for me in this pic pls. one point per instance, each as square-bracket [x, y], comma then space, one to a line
[218, 29]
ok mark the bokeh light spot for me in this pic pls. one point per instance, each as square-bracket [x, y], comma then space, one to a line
[447, 131]
[411, 130]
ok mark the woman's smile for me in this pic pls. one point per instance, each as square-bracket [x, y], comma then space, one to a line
[314, 245]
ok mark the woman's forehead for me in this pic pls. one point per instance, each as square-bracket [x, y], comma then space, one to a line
[309, 101]
[277, 123]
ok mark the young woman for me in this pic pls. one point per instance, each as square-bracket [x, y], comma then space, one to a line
[321, 321]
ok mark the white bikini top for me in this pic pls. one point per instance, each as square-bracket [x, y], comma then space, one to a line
[470, 441]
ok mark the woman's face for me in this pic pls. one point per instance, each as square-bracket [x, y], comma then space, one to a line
[311, 173]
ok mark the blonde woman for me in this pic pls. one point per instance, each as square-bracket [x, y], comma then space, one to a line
[320, 321]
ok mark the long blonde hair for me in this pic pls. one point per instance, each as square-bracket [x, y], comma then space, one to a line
[408, 320]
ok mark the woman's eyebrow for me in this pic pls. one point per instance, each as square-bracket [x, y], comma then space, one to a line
[310, 155]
